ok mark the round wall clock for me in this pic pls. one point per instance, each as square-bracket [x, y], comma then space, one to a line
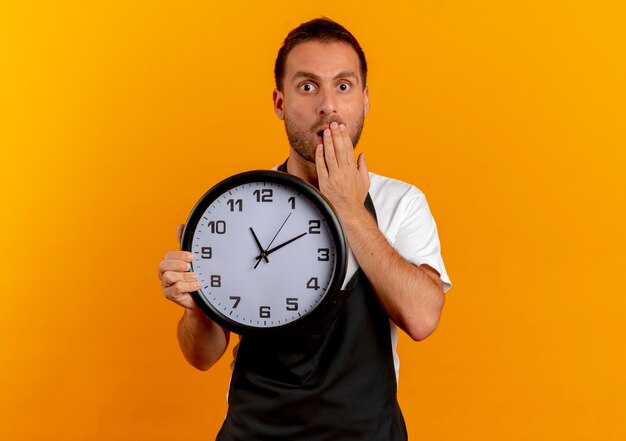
[269, 252]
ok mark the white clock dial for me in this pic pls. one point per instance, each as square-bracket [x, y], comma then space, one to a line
[264, 252]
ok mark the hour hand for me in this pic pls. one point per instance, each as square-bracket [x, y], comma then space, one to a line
[261, 250]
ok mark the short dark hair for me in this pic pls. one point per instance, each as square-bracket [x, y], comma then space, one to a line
[320, 29]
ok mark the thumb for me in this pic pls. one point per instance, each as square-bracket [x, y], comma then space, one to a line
[179, 232]
[362, 165]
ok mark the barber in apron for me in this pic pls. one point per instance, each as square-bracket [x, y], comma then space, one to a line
[334, 380]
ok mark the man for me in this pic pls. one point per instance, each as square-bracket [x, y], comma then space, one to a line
[343, 387]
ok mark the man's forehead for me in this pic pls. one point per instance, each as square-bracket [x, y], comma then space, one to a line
[322, 59]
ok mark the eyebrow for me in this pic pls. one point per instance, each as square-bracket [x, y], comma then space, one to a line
[311, 75]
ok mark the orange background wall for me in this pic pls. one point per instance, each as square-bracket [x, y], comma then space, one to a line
[115, 117]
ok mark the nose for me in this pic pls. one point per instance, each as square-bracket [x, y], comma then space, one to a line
[328, 103]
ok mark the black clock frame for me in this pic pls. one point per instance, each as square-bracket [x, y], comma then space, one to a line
[328, 212]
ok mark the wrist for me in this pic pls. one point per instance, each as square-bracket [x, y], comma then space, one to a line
[195, 314]
[354, 216]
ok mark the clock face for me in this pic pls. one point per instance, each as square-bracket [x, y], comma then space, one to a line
[268, 250]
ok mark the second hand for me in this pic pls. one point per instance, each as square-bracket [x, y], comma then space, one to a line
[274, 238]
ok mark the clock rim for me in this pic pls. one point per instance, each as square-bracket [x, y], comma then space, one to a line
[327, 211]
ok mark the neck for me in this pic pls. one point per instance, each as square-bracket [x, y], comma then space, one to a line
[305, 170]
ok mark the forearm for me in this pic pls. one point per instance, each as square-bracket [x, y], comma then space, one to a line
[201, 340]
[411, 296]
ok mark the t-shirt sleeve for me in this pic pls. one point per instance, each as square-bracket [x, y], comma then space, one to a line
[417, 239]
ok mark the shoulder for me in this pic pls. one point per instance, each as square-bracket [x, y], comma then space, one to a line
[390, 186]
[389, 194]
[400, 207]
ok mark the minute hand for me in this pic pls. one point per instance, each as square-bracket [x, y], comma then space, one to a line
[277, 247]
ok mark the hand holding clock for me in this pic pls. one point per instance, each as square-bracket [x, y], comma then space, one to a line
[177, 282]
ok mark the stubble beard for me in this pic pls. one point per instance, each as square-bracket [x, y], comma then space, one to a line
[299, 138]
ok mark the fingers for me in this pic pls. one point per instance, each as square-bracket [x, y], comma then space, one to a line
[180, 288]
[338, 148]
[335, 162]
[337, 140]
[179, 232]
[175, 261]
[180, 293]
[347, 149]
[362, 166]
[177, 282]
[170, 278]
[329, 152]
[320, 164]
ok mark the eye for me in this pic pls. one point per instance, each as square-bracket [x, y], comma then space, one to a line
[307, 87]
[345, 87]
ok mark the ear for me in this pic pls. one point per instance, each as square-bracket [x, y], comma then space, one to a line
[366, 101]
[279, 102]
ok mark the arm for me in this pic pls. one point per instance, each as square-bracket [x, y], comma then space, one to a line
[201, 340]
[412, 296]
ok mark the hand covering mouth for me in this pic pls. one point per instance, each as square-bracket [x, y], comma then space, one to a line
[325, 126]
